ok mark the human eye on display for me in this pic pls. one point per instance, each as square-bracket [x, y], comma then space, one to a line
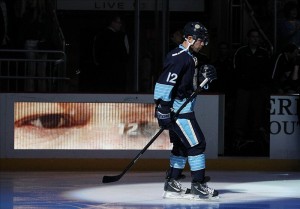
[47, 121]
[84, 126]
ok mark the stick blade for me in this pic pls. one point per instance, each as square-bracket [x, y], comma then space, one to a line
[110, 179]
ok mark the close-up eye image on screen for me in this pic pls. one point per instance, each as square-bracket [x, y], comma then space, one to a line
[124, 126]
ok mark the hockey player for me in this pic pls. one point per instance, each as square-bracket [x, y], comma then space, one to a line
[180, 77]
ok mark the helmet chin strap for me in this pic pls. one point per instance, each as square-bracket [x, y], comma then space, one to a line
[189, 44]
[187, 48]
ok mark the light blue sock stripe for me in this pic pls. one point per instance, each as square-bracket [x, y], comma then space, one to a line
[177, 161]
[197, 162]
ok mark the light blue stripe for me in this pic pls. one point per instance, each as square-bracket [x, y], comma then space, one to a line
[197, 162]
[188, 131]
[188, 108]
[177, 161]
[163, 91]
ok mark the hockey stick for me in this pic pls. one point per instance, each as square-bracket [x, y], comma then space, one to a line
[109, 179]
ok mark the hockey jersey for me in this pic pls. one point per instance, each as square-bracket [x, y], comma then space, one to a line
[178, 80]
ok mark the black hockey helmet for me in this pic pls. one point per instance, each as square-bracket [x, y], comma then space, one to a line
[197, 31]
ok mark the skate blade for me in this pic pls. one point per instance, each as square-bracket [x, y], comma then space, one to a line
[175, 195]
[209, 198]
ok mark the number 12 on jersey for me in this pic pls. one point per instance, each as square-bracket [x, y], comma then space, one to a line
[172, 77]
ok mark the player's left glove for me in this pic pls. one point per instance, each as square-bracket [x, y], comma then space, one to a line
[208, 71]
[164, 116]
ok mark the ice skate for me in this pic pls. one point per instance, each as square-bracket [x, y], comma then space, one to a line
[201, 191]
[174, 190]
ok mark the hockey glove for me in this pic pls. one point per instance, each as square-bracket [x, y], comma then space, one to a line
[208, 71]
[164, 116]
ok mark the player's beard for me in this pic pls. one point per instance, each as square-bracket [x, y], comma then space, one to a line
[196, 49]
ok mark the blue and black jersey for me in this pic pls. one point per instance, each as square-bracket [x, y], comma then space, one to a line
[178, 80]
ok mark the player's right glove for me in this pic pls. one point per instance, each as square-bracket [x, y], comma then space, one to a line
[164, 116]
[208, 71]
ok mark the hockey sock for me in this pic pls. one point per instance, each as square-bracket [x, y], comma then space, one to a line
[174, 173]
[198, 176]
[177, 164]
[197, 164]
